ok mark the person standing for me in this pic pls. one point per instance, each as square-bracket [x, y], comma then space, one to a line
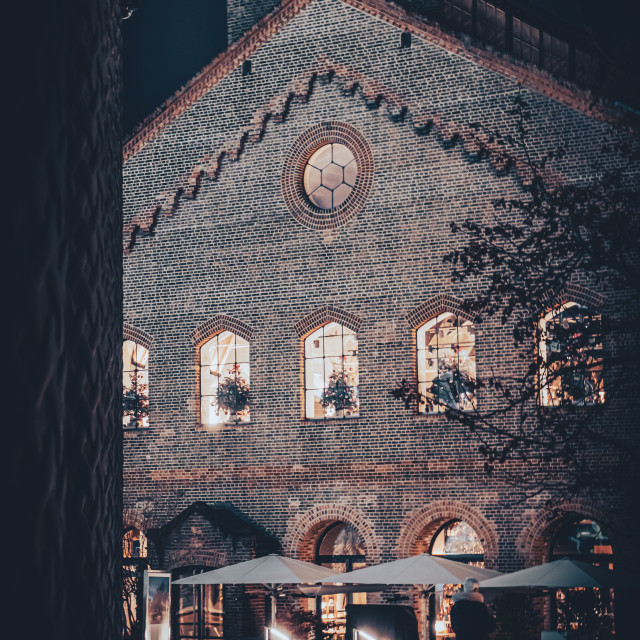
[470, 618]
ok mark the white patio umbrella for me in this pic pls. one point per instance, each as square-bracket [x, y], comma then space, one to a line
[271, 571]
[559, 574]
[423, 569]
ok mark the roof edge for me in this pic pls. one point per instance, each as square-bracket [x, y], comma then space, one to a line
[562, 91]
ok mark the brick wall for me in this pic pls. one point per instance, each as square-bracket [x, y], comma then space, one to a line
[243, 14]
[228, 246]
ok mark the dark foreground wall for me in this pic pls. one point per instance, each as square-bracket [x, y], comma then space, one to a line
[63, 514]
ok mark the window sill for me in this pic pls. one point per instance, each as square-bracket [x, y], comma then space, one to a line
[303, 420]
[135, 429]
[222, 426]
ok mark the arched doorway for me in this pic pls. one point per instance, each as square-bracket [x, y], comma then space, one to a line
[341, 547]
[584, 540]
[456, 540]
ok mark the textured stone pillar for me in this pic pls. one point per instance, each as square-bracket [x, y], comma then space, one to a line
[62, 428]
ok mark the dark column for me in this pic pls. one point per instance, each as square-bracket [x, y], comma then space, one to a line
[62, 166]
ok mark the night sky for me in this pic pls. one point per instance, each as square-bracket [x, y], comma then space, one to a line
[167, 42]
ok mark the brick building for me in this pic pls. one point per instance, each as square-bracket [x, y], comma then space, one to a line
[286, 214]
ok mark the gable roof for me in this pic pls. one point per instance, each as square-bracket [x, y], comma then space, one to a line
[225, 517]
[520, 72]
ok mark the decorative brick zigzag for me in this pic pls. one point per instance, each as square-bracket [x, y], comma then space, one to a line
[476, 144]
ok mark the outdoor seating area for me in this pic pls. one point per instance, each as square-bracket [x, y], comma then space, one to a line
[280, 575]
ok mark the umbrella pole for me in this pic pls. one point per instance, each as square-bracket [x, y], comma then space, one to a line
[273, 605]
[425, 635]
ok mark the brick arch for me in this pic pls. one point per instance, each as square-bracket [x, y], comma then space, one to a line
[326, 314]
[217, 324]
[304, 531]
[129, 332]
[576, 293]
[438, 304]
[425, 522]
[177, 559]
[535, 540]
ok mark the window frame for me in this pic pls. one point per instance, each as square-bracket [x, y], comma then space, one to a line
[438, 408]
[236, 370]
[306, 389]
[542, 336]
[143, 421]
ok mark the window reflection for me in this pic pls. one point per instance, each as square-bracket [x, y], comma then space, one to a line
[456, 540]
[135, 385]
[341, 548]
[224, 379]
[446, 363]
[197, 609]
[134, 544]
[571, 357]
[331, 372]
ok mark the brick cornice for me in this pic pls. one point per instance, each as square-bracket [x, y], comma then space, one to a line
[564, 92]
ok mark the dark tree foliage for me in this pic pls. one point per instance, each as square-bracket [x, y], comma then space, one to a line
[544, 426]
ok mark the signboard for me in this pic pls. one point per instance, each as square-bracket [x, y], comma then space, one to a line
[157, 605]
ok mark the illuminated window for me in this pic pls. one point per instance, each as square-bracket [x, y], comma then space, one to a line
[224, 379]
[197, 610]
[456, 540]
[341, 548]
[446, 363]
[585, 541]
[330, 175]
[134, 544]
[331, 372]
[135, 385]
[570, 357]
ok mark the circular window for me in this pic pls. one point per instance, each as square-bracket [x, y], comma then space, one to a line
[328, 175]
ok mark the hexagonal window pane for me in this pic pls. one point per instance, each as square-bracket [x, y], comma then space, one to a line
[321, 197]
[312, 178]
[321, 158]
[342, 155]
[332, 176]
[341, 194]
[351, 173]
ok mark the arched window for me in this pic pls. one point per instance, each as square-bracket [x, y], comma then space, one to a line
[224, 379]
[446, 350]
[197, 610]
[134, 544]
[135, 385]
[456, 540]
[583, 540]
[331, 372]
[340, 547]
[570, 350]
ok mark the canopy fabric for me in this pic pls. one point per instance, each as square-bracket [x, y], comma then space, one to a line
[271, 569]
[559, 574]
[315, 590]
[422, 569]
